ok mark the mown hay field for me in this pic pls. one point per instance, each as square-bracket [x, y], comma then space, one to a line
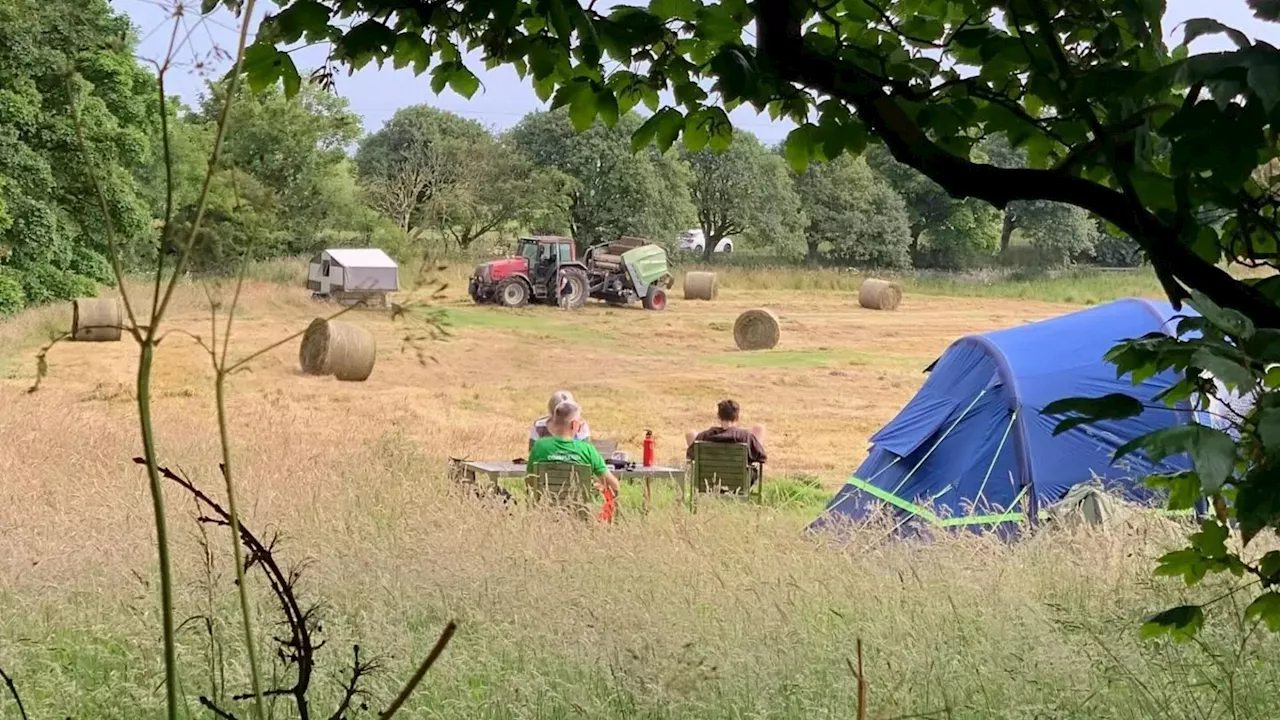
[730, 613]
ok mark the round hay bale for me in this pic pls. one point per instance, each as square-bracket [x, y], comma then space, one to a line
[757, 329]
[879, 294]
[341, 349]
[701, 286]
[96, 320]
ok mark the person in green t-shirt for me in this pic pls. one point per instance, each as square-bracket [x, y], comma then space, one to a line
[563, 447]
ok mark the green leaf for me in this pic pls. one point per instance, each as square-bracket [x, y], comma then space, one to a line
[1264, 79]
[289, 76]
[736, 76]
[1212, 451]
[719, 128]
[1181, 623]
[464, 82]
[1197, 27]
[1211, 541]
[670, 123]
[542, 88]
[607, 107]
[689, 94]
[1188, 564]
[1115, 406]
[303, 17]
[1234, 375]
[717, 26]
[662, 128]
[696, 135]
[1229, 321]
[566, 93]
[1266, 9]
[542, 61]
[1265, 607]
[649, 96]
[1268, 420]
[1257, 503]
[582, 109]
[1184, 490]
[559, 17]
[1270, 286]
[644, 134]
[674, 9]
[412, 49]
[262, 66]
[1269, 566]
[364, 42]
[440, 77]
[798, 147]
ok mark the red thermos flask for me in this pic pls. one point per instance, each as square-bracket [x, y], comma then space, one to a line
[648, 448]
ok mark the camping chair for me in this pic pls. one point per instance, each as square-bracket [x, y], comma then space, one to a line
[562, 485]
[724, 467]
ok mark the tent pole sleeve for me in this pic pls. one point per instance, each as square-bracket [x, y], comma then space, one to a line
[896, 458]
[938, 442]
[995, 458]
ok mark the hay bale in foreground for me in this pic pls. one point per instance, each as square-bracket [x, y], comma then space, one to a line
[879, 294]
[701, 286]
[96, 320]
[341, 349]
[757, 329]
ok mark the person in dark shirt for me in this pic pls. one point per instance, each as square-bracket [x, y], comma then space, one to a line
[727, 431]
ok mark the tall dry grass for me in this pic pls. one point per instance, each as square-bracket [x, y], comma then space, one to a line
[730, 613]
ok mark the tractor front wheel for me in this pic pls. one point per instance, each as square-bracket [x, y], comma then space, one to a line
[656, 299]
[512, 292]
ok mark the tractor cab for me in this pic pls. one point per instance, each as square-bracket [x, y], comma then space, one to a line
[544, 256]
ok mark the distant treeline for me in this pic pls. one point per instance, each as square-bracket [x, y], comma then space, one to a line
[428, 181]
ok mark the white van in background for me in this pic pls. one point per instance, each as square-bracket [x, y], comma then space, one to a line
[694, 241]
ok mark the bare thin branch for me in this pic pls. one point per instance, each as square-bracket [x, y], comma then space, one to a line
[421, 672]
[13, 690]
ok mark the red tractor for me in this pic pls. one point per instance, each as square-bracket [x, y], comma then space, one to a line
[545, 269]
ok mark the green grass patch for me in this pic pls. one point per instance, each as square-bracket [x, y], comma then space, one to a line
[1076, 287]
[1081, 286]
[540, 321]
[798, 496]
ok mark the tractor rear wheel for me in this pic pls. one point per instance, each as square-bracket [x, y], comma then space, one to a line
[656, 299]
[512, 292]
[573, 288]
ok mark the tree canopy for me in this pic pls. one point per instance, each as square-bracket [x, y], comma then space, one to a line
[614, 191]
[53, 242]
[429, 168]
[853, 216]
[1155, 140]
[744, 190]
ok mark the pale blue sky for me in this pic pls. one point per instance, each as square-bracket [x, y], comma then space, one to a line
[504, 98]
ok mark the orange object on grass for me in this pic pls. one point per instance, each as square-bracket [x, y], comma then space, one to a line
[606, 512]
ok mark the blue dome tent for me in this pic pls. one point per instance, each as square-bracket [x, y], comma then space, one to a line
[972, 448]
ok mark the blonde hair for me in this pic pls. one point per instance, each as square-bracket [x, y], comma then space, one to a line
[557, 397]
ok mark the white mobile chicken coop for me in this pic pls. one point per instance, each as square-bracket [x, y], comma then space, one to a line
[351, 276]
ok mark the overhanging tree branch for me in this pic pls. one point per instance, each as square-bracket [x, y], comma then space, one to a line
[782, 49]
